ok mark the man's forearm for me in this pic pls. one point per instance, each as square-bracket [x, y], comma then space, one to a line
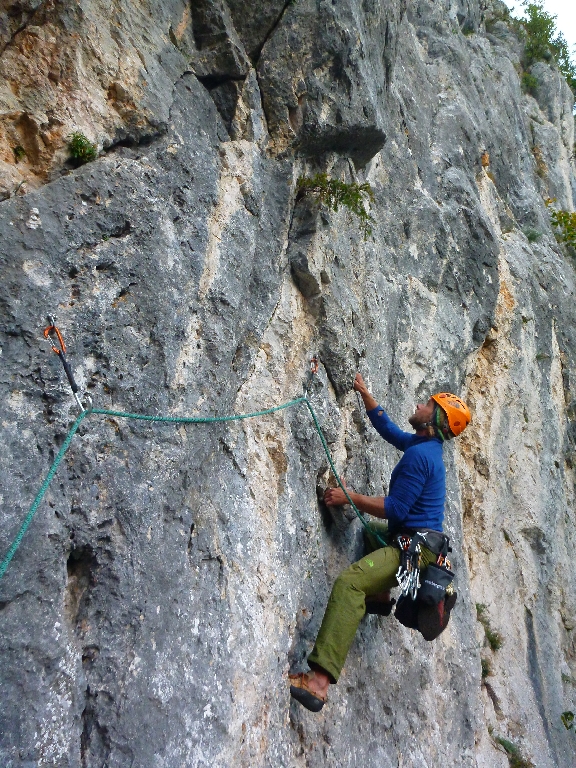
[369, 402]
[372, 505]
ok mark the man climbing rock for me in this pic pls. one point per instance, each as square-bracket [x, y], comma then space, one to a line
[415, 502]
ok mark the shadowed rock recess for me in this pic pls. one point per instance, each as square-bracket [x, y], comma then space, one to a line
[173, 574]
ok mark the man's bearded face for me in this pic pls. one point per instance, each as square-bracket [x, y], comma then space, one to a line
[422, 415]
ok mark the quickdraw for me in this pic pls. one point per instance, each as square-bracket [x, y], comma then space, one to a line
[313, 370]
[49, 332]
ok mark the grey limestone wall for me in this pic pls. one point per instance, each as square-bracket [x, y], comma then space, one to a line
[174, 574]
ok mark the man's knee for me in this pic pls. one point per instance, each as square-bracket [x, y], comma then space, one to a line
[346, 581]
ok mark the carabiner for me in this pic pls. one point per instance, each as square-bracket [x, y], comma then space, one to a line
[53, 329]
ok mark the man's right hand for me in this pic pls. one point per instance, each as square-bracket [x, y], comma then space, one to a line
[360, 386]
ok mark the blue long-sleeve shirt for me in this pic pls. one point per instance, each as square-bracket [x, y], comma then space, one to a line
[417, 491]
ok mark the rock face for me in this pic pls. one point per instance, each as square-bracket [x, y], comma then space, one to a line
[173, 574]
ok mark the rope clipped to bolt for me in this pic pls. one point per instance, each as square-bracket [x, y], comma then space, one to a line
[164, 419]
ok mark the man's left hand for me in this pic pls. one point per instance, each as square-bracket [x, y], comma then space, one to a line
[335, 497]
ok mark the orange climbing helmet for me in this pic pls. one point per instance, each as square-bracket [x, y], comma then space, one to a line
[456, 411]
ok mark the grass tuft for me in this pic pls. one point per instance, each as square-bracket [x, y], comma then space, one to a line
[486, 668]
[494, 638]
[515, 757]
[541, 167]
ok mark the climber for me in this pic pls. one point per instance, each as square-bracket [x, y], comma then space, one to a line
[415, 501]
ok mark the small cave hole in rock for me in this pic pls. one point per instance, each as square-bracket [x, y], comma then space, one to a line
[81, 568]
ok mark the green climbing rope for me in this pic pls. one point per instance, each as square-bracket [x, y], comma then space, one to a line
[171, 420]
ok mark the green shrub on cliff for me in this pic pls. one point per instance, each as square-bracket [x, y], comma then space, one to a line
[334, 193]
[529, 83]
[81, 149]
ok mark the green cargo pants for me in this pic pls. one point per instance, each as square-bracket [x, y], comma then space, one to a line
[372, 574]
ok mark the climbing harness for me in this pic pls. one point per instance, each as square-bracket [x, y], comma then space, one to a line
[165, 419]
[426, 599]
[49, 332]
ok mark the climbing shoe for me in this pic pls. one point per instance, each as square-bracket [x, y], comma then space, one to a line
[300, 691]
[379, 608]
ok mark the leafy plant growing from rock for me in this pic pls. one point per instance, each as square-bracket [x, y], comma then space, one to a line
[564, 222]
[81, 149]
[19, 153]
[494, 638]
[529, 83]
[515, 758]
[568, 721]
[334, 193]
[532, 235]
[541, 167]
[486, 668]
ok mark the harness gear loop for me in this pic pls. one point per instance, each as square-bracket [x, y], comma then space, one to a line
[49, 331]
[408, 574]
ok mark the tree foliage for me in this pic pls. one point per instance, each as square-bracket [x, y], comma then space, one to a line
[545, 43]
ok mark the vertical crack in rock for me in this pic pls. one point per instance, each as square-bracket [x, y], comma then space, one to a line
[95, 739]
[535, 674]
[255, 53]
[225, 93]
[81, 569]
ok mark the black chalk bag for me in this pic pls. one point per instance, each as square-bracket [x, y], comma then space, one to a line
[433, 583]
